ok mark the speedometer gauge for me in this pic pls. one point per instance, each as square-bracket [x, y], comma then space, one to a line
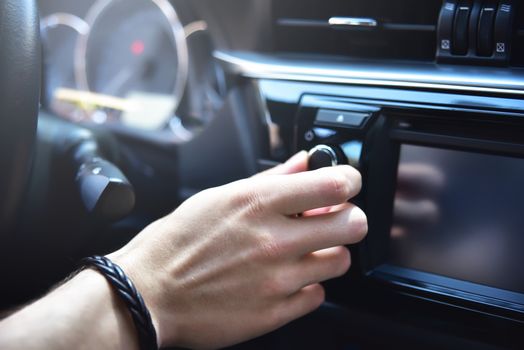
[59, 32]
[132, 64]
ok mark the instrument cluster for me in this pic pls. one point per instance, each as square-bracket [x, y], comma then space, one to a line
[137, 65]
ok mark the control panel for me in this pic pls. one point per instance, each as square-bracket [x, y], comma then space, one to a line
[475, 31]
[334, 130]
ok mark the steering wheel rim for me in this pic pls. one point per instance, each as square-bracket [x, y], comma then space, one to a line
[20, 75]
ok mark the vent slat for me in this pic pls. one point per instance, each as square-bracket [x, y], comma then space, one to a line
[316, 23]
[300, 22]
[410, 27]
[404, 30]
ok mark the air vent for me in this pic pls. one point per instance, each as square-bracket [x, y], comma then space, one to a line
[382, 29]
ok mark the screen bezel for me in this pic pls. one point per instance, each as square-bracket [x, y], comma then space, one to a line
[381, 176]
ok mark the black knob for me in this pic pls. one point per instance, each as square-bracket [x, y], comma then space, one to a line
[322, 156]
[104, 190]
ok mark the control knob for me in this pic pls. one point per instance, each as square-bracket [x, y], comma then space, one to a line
[322, 156]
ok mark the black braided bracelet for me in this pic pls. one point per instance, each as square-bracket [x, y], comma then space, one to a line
[126, 290]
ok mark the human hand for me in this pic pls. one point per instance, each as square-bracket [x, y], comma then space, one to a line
[235, 262]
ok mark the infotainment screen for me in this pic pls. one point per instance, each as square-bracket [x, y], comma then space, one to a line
[460, 215]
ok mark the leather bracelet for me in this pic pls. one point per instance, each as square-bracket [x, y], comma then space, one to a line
[128, 293]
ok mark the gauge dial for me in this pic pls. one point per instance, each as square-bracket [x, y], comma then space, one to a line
[135, 51]
[59, 33]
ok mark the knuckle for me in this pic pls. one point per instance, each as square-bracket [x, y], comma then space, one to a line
[275, 285]
[250, 201]
[344, 182]
[254, 203]
[338, 185]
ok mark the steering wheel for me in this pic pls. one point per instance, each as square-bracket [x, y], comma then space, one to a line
[20, 74]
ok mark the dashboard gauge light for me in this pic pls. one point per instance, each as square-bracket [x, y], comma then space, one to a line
[138, 110]
[138, 47]
[91, 100]
[149, 111]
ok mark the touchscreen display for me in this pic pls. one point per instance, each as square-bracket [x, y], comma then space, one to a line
[460, 215]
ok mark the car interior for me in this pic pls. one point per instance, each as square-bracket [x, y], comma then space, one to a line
[123, 109]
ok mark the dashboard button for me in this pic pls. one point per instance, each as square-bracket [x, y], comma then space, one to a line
[460, 28]
[340, 118]
[322, 156]
[485, 30]
[445, 26]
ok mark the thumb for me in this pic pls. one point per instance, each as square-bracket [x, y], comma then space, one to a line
[295, 164]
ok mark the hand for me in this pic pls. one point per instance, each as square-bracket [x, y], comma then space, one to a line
[235, 262]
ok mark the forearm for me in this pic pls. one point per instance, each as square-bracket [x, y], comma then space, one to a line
[230, 264]
[83, 313]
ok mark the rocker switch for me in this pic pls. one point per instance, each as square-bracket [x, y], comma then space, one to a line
[460, 28]
[486, 24]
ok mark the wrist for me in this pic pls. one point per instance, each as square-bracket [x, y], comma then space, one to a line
[149, 290]
[115, 325]
[127, 292]
[84, 311]
[96, 301]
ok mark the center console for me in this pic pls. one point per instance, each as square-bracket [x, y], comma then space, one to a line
[428, 104]
[442, 191]
[442, 170]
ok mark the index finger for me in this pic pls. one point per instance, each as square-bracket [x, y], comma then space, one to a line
[295, 193]
[295, 164]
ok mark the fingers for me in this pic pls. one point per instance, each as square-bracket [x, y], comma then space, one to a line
[315, 267]
[297, 305]
[321, 266]
[325, 210]
[305, 294]
[296, 193]
[309, 234]
[295, 164]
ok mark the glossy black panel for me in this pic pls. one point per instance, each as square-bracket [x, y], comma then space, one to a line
[459, 214]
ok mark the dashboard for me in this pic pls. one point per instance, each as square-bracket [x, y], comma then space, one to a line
[185, 95]
[132, 65]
